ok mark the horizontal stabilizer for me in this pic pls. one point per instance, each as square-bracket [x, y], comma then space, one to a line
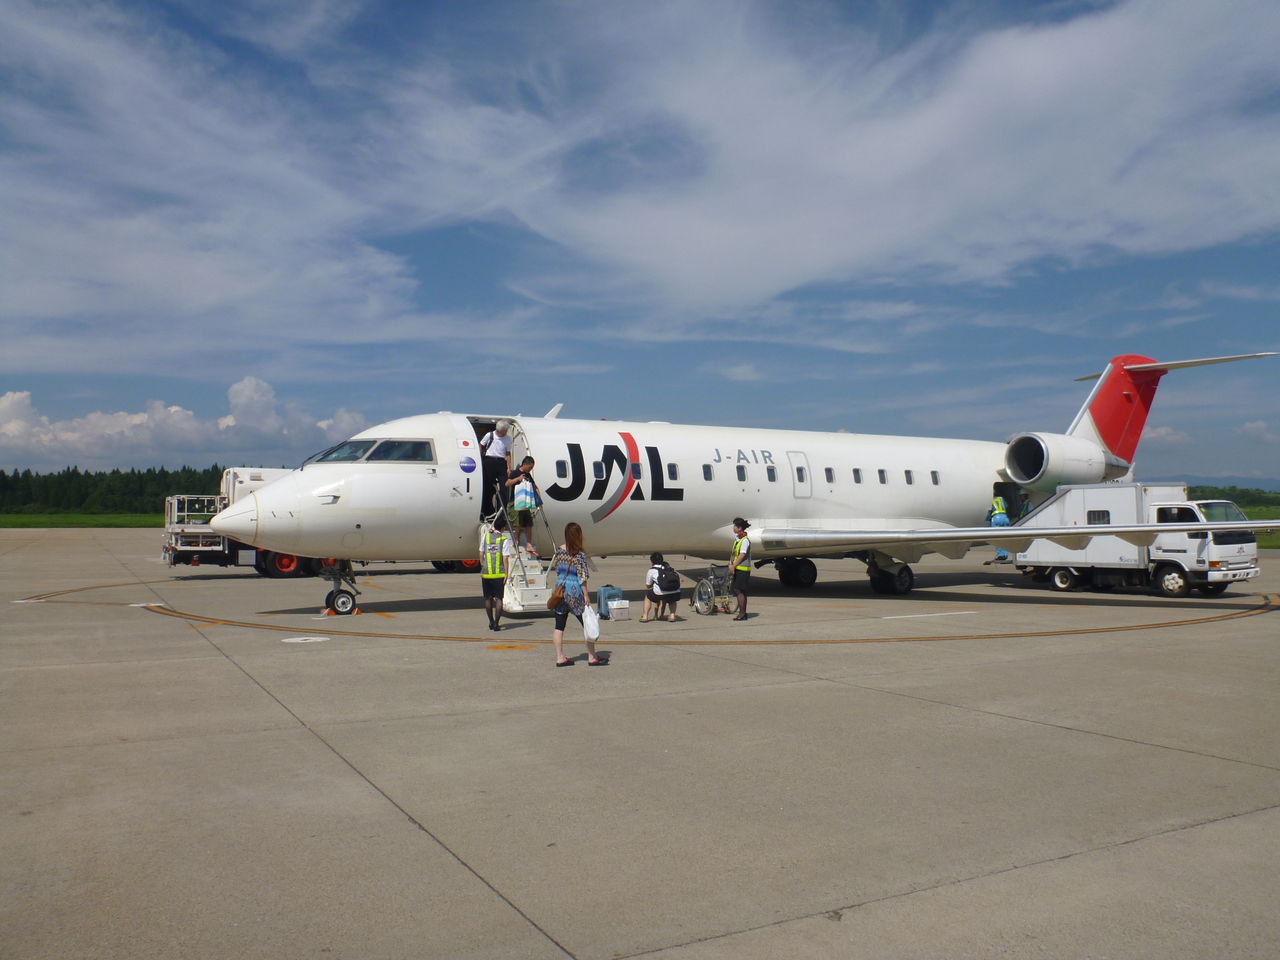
[1181, 364]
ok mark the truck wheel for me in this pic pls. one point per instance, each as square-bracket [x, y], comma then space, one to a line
[1061, 578]
[1172, 581]
[1212, 589]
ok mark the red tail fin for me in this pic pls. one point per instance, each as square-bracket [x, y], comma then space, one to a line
[1117, 409]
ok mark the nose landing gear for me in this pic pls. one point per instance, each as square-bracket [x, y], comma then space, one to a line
[341, 600]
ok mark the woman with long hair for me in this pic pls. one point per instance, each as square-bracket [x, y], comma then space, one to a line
[572, 572]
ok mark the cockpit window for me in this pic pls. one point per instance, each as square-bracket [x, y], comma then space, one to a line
[346, 451]
[415, 450]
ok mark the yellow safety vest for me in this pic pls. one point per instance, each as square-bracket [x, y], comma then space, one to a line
[493, 555]
[737, 545]
[997, 506]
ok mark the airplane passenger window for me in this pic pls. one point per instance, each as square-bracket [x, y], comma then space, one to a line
[857, 475]
[910, 477]
[706, 471]
[347, 452]
[597, 468]
[800, 474]
[933, 475]
[742, 472]
[562, 469]
[1097, 516]
[771, 473]
[635, 470]
[415, 450]
[830, 475]
[884, 476]
[673, 472]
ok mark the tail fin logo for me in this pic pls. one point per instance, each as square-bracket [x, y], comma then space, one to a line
[1116, 411]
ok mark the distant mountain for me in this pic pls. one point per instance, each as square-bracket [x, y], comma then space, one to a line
[1248, 483]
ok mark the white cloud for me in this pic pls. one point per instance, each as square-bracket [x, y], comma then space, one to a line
[257, 430]
[718, 157]
[1164, 437]
[741, 372]
[1260, 431]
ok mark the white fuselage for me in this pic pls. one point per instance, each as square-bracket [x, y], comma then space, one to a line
[634, 488]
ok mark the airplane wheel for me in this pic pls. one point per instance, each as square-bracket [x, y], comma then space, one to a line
[328, 600]
[704, 598]
[894, 582]
[342, 602]
[801, 573]
[1060, 578]
[784, 566]
[1172, 581]
[902, 581]
[444, 566]
[1212, 589]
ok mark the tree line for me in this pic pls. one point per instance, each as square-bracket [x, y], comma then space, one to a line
[73, 490]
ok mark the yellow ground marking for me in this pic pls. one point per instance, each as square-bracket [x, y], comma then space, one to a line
[513, 646]
[1270, 603]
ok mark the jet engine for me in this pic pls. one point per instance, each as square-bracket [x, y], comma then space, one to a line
[1045, 461]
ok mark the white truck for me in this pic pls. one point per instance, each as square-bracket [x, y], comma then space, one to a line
[189, 540]
[1172, 565]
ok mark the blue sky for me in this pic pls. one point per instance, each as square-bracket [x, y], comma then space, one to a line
[239, 231]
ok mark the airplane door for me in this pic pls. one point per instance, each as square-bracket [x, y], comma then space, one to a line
[801, 480]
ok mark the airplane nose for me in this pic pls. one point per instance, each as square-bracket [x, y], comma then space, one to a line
[239, 521]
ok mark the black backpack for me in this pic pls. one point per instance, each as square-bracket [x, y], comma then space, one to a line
[668, 579]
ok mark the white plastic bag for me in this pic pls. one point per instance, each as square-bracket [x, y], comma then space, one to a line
[590, 623]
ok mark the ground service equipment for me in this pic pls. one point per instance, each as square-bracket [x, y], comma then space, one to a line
[1171, 564]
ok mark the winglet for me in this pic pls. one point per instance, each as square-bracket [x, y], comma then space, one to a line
[553, 412]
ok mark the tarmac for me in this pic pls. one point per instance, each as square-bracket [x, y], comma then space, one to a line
[195, 763]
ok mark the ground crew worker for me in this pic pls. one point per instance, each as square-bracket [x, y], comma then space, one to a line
[495, 550]
[998, 516]
[740, 564]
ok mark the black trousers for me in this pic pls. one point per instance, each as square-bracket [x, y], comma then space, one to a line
[495, 472]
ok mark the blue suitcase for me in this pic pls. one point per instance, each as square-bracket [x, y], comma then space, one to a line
[603, 596]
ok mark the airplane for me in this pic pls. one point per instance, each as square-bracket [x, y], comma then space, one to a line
[410, 489]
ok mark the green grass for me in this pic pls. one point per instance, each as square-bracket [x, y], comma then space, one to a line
[1266, 541]
[28, 520]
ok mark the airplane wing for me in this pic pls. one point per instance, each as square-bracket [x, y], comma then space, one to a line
[954, 542]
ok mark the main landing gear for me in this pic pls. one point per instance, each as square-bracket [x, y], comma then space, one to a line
[341, 600]
[887, 575]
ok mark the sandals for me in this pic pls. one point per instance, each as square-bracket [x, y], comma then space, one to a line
[644, 619]
[598, 662]
[671, 619]
[566, 663]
